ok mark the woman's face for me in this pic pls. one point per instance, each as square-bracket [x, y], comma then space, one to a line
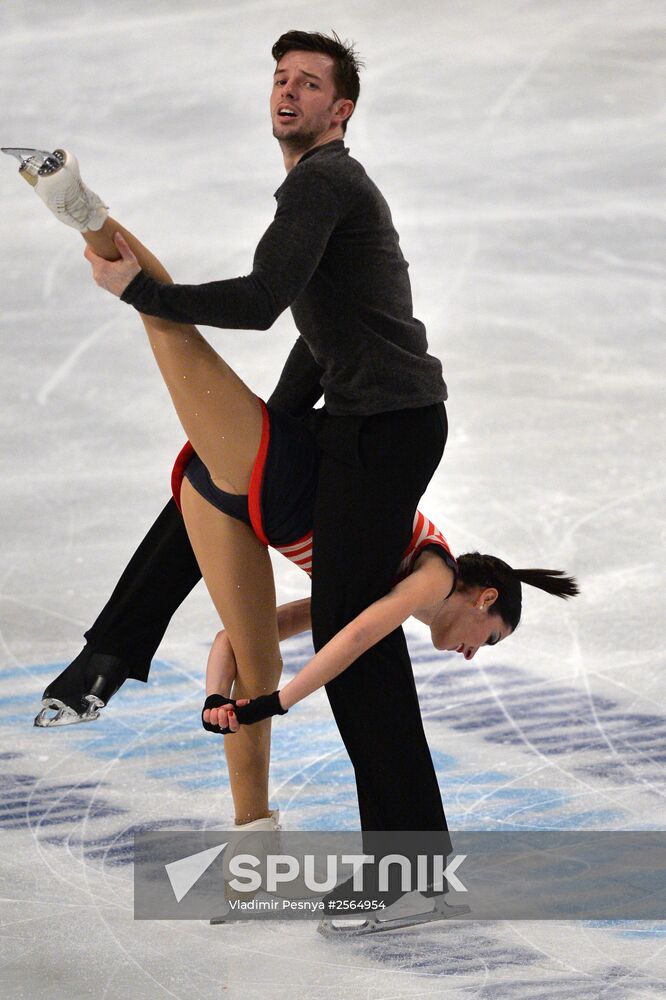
[468, 622]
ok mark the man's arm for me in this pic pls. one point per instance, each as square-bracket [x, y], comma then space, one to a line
[285, 259]
[299, 385]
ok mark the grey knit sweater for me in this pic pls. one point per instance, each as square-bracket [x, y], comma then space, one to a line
[332, 255]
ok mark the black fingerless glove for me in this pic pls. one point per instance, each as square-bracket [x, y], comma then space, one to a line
[216, 701]
[260, 708]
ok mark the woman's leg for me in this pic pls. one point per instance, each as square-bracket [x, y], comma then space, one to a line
[222, 418]
[241, 586]
[220, 415]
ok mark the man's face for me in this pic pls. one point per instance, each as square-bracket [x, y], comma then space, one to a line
[303, 102]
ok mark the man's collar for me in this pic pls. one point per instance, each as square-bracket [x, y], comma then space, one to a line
[334, 146]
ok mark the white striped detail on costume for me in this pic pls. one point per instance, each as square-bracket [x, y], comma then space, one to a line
[424, 533]
[300, 552]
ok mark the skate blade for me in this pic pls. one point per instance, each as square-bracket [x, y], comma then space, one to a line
[35, 163]
[36, 156]
[65, 716]
[350, 928]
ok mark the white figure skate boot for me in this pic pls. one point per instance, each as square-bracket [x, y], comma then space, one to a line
[260, 837]
[56, 179]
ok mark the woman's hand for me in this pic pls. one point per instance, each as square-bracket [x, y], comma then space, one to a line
[221, 673]
[231, 716]
[224, 716]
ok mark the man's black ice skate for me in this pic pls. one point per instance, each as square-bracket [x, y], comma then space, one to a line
[82, 689]
[411, 910]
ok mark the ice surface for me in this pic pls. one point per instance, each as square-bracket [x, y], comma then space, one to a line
[521, 147]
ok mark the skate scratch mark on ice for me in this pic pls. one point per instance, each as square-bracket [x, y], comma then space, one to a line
[568, 534]
[532, 66]
[310, 774]
[553, 958]
[641, 697]
[512, 213]
[42, 853]
[528, 743]
[136, 26]
[52, 269]
[606, 736]
[7, 650]
[130, 958]
[98, 900]
[631, 972]
[517, 779]
[70, 361]
[505, 99]
[544, 806]
[621, 741]
[9, 572]
[79, 622]
[460, 276]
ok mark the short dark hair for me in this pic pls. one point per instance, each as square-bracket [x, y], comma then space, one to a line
[477, 570]
[346, 62]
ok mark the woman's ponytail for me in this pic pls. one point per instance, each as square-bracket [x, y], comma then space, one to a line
[553, 581]
[477, 570]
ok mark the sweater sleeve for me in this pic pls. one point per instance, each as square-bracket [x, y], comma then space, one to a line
[299, 385]
[286, 257]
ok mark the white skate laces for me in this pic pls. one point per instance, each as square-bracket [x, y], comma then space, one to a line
[56, 179]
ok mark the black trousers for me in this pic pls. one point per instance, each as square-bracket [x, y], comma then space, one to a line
[373, 471]
[154, 584]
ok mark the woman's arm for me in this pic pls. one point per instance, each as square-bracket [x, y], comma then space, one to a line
[293, 618]
[415, 592]
[378, 620]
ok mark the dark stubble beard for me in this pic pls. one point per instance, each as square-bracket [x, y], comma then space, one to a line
[301, 140]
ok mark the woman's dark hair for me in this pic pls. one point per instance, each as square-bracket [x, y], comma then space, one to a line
[347, 63]
[476, 570]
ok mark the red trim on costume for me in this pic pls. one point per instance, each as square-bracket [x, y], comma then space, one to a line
[256, 479]
[178, 471]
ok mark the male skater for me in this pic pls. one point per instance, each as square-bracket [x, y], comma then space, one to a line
[332, 255]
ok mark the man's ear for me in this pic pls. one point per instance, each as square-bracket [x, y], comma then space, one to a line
[344, 111]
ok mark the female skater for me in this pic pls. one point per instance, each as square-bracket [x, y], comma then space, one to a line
[247, 480]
